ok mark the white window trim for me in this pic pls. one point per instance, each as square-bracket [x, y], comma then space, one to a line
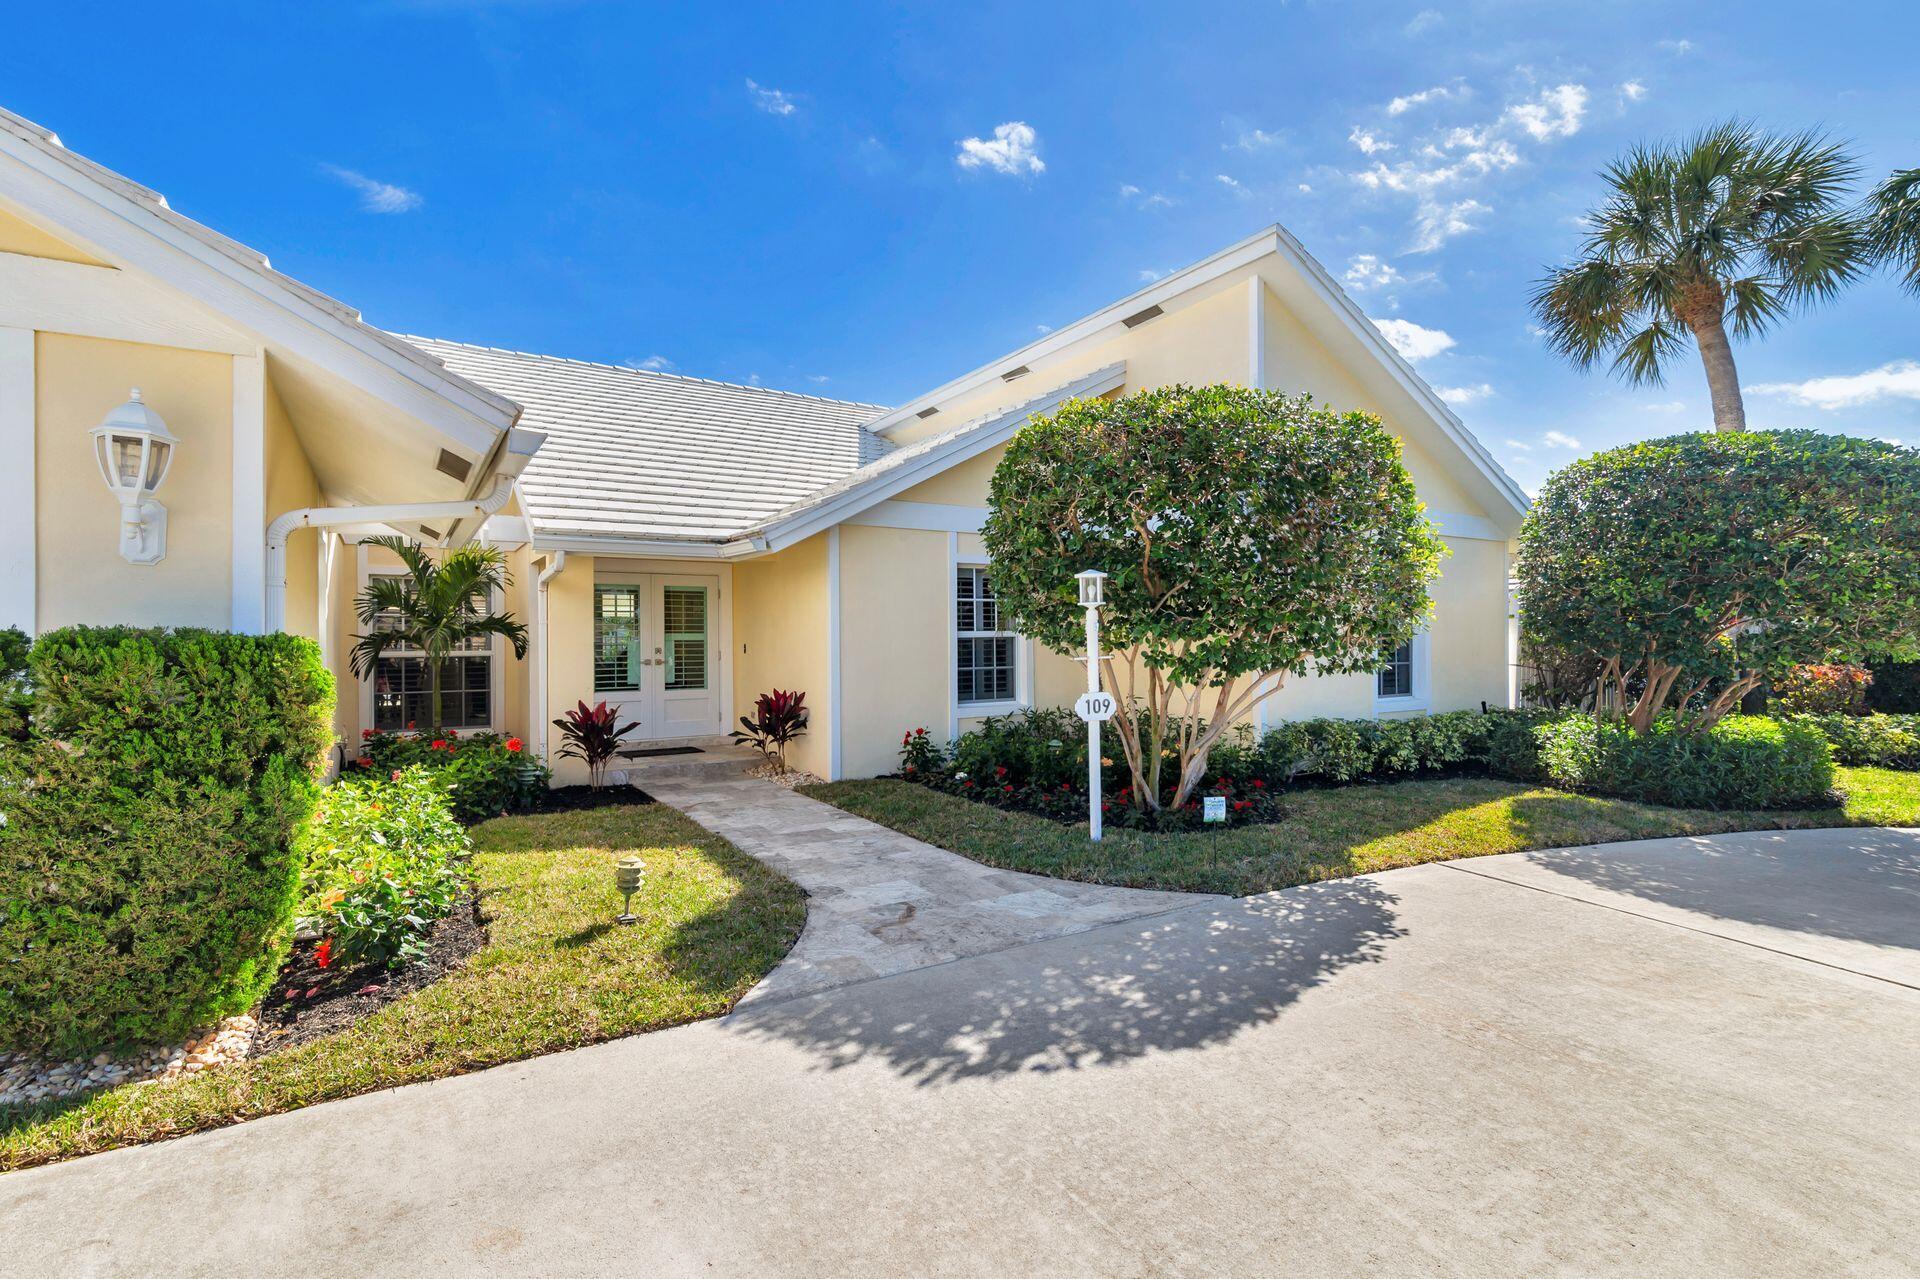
[1421, 699]
[1022, 654]
[496, 666]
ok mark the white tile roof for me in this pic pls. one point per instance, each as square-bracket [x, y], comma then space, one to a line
[637, 454]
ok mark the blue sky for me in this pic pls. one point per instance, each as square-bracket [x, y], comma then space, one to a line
[864, 200]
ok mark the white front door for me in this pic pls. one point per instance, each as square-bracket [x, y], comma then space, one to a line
[657, 652]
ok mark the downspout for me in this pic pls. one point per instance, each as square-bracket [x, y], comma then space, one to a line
[520, 446]
[555, 564]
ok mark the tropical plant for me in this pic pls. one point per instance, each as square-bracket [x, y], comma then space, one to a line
[1896, 224]
[593, 735]
[1246, 535]
[433, 608]
[1729, 228]
[1696, 567]
[1823, 688]
[778, 718]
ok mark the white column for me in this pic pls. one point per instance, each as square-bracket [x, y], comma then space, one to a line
[834, 769]
[18, 598]
[1256, 333]
[249, 494]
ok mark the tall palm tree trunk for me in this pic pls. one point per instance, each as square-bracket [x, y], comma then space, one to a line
[433, 669]
[1723, 380]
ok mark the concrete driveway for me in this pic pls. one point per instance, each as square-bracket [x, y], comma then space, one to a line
[1683, 1057]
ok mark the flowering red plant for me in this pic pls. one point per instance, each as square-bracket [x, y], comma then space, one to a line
[515, 745]
[323, 953]
[593, 735]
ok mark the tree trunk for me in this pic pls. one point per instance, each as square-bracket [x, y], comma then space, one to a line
[1723, 380]
[433, 713]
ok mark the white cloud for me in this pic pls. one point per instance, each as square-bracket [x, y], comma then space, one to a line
[1435, 223]
[1518, 447]
[772, 101]
[1368, 142]
[1011, 150]
[1149, 275]
[1632, 91]
[1423, 22]
[652, 364]
[1438, 93]
[376, 196]
[1899, 380]
[1677, 47]
[1365, 271]
[1131, 194]
[1305, 189]
[1043, 328]
[1665, 406]
[1230, 183]
[1461, 396]
[1414, 342]
[1560, 440]
[1556, 113]
[820, 378]
[1255, 140]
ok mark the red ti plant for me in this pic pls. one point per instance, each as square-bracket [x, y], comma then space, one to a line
[593, 734]
[778, 717]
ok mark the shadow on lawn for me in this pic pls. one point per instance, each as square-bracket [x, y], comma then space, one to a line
[1182, 981]
[1857, 884]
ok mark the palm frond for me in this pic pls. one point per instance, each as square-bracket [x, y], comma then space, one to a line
[1752, 304]
[1641, 357]
[1895, 225]
[1583, 308]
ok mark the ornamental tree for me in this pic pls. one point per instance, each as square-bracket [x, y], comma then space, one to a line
[1247, 537]
[1697, 566]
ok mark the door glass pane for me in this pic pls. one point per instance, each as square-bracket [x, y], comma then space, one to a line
[616, 638]
[683, 613]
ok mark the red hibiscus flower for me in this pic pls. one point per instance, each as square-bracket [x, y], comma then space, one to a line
[323, 953]
[439, 744]
[514, 744]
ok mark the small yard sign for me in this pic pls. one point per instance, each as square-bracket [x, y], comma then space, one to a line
[1213, 808]
[1095, 706]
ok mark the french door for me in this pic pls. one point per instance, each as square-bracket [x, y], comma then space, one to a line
[656, 652]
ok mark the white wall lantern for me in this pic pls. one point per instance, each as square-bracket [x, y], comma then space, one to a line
[135, 450]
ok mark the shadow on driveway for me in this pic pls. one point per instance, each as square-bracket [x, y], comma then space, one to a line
[1859, 885]
[1186, 980]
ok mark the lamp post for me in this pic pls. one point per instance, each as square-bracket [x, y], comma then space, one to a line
[1093, 706]
[134, 449]
[628, 873]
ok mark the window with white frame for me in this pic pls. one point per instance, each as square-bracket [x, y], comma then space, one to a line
[1396, 677]
[986, 656]
[403, 684]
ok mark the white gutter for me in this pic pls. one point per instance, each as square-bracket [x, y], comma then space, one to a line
[520, 446]
[555, 564]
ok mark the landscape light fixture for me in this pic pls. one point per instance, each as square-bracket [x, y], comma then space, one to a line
[627, 874]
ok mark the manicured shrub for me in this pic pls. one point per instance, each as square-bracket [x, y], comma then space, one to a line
[485, 775]
[382, 859]
[1744, 761]
[1896, 687]
[593, 735]
[1511, 744]
[147, 868]
[779, 718]
[1870, 741]
[1823, 688]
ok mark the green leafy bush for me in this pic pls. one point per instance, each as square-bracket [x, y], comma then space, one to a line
[486, 775]
[1895, 688]
[1744, 761]
[382, 859]
[147, 868]
[1870, 741]
[1823, 688]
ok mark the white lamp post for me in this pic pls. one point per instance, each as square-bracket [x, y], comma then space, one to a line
[1094, 706]
[135, 449]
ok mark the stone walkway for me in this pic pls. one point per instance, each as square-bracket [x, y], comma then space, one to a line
[879, 902]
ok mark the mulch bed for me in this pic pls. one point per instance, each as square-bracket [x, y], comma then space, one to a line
[310, 1002]
[570, 799]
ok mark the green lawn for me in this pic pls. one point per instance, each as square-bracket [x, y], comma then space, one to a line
[1337, 832]
[556, 972]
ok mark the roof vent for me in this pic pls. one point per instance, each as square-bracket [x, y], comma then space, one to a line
[1141, 317]
[453, 464]
[929, 411]
[1011, 374]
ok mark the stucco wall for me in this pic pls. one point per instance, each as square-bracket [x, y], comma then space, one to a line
[894, 646]
[290, 486]
[780, 639]
[80, 574]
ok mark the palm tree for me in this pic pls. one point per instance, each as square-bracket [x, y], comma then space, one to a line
[432, 608]
[1896, 224]
[1731, 228]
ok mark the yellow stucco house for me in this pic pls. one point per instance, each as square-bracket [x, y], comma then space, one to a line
[677, 545]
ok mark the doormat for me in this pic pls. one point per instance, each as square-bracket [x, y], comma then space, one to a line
[652, 751]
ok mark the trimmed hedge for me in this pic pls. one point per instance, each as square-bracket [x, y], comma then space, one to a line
[147, 863]
[1870, 741]
[1745, 761]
